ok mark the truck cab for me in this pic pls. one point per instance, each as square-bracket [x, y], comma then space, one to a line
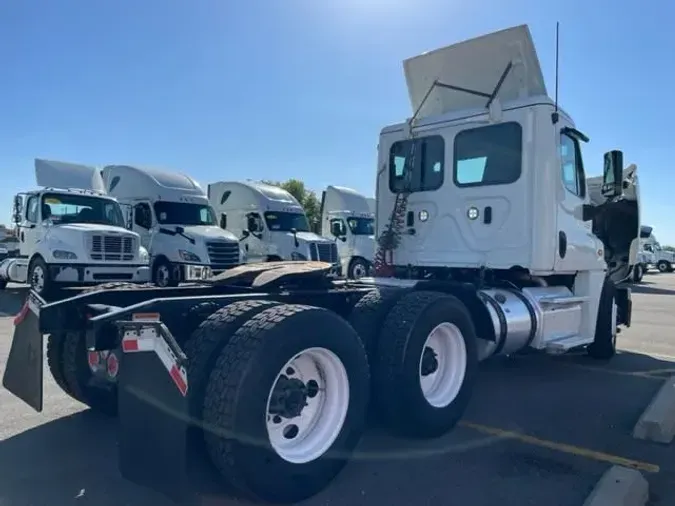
[663, 260]
[71, 233]
[487, 180]
[270, 222]
[347, 218]
[175, 222]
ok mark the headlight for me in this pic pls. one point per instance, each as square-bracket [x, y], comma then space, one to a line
[188, 256]
[298, 256]
[143, 255]
[62, 254]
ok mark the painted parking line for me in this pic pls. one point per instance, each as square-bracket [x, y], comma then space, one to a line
[562, 447]
[651, 374]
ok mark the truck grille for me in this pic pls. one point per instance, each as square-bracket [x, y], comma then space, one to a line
[223, 255]
[112, 248]
[324, 252]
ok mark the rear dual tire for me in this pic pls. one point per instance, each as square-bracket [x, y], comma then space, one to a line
[254, 366]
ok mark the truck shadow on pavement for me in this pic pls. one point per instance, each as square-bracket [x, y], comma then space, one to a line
[647, 287]
[74, 458]
[11, 300]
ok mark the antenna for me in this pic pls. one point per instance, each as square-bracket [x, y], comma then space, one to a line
[557, 58]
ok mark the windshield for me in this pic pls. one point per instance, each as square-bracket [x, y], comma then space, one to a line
[361, 226]
[284, 222]
[74, 208]
[181, 213]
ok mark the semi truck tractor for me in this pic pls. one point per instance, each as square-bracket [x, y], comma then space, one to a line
[71, 233]
[488, 244]
[347, 219]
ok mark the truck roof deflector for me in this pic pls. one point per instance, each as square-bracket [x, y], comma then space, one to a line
[463, 72]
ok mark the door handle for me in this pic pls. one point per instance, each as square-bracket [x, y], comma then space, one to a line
[487, 215]
[410, 219]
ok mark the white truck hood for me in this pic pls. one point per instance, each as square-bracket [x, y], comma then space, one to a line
[93, 227]
[207, 232]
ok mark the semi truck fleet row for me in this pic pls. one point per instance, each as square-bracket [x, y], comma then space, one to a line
[131, 224]
[490, 240]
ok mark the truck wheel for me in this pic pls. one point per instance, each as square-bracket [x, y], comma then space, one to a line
[663, 266]
[286, 403]
[81, 383]
[638, 272]
[358, 268]
[208, 339]
[38, 277]
[427, 364]
[55, 362]
[369, 314]
[164, 274]
[603, 346]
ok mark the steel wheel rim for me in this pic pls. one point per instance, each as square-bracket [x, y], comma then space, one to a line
[162, 275]
[441, 385]
[38, 279]
[308, 435]
[359, 271]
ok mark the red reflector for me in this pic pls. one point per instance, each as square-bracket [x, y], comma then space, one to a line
[22, 314]
[130, 345]
[178, 380]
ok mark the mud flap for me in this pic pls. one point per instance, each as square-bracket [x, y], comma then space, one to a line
[24, 372]
[153, 412]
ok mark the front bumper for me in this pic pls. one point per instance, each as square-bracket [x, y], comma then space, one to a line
[86, 274]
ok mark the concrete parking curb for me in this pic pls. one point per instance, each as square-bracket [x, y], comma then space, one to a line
[619, 486]
[657, 423]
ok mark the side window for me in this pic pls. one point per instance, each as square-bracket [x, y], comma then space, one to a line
[142, 216]
[571, 166]
[419, 169]
[32, 210]
[489, 155]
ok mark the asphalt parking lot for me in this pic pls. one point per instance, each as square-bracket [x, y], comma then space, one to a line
[540, 430]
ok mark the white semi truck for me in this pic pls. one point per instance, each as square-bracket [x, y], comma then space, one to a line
[71, 233]
[172, 215]
[488, 244]
[270, 222]
[663, 260]
[347, 219]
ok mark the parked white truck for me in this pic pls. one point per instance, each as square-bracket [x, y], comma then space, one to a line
[270, 222]
[71, 233]
[663, 260]
[347, 219]
[172, 215]
[490, 245]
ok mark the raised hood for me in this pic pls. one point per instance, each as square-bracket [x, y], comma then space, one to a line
[475, 64]
[64, 175]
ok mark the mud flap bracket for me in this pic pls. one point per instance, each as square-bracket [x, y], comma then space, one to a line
[153, 410]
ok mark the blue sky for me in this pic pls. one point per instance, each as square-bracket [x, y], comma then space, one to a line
[223, 89]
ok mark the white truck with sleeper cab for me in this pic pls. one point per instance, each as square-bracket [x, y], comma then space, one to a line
[270, 222]
[488, 244]
[71, 233]
[176, 224]
[347, 218]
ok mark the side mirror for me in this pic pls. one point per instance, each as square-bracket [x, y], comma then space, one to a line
[18, 207]
[336, 229]
[612, 175]
[252, 225]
